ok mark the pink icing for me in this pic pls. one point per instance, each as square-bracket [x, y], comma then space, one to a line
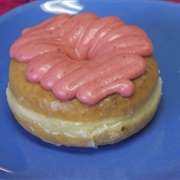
[83, 56]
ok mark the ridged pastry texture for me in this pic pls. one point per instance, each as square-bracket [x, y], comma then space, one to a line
[84, 59]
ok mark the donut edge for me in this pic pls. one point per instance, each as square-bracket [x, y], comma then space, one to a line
[108, 131]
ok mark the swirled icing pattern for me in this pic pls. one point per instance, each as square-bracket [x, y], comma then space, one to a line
[83, 56]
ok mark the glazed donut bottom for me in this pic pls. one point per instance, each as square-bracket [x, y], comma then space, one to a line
[84, 134]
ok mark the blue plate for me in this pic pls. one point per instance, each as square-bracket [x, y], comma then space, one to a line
[152, 153]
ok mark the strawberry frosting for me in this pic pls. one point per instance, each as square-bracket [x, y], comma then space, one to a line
[83, 56]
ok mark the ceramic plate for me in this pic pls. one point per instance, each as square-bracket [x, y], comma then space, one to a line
[151, 153]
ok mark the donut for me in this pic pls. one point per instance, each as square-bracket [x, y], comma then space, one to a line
[83, 83]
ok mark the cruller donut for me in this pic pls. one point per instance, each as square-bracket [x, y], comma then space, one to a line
[82, 80]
